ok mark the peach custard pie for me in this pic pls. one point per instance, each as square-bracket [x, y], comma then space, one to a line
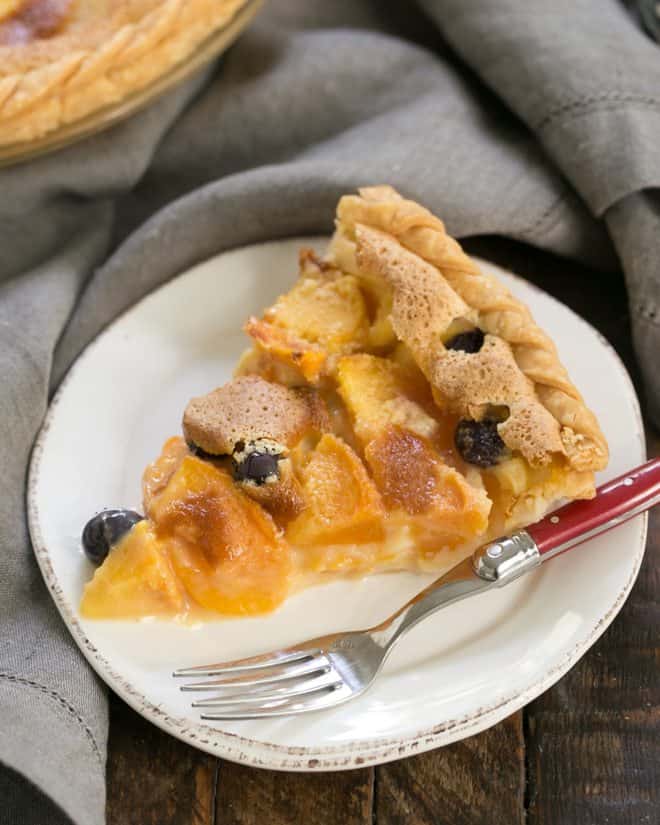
[61, 60]
[396, 408]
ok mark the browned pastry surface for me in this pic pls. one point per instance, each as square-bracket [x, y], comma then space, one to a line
[23, 21]
[63, 59]
[397, 408]
[248, 409]
[405, 226]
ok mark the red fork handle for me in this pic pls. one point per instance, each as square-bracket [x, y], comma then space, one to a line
[615, 502]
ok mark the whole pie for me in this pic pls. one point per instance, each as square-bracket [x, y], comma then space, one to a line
[63, 59]
[397, 408]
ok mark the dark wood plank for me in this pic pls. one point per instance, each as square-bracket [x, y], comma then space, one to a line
[592, 754]
[479, 781]
[593, 740]
[600, 297]
[154, 779]
[246, 796]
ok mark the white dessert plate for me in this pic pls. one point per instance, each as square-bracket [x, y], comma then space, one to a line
[454, 675]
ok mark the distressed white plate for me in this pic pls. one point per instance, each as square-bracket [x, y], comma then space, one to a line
[454, 675]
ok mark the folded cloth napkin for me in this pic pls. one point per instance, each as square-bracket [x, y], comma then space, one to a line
[557, 146]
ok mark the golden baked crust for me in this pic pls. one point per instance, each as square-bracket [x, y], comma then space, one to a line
[22, 21]
[95, 53]
[376, 229]
[249, 409]
[397, 409]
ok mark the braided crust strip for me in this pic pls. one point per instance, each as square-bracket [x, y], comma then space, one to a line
[499, 312]
[48, 83]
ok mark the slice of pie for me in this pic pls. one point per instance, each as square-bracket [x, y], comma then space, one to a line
[397, 408]
[63, 59]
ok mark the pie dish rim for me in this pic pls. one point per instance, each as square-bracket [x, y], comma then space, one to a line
[111, 114]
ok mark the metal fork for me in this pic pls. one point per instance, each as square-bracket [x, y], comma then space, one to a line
[326, 671]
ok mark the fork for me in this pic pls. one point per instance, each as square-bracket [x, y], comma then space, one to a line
[329, 670]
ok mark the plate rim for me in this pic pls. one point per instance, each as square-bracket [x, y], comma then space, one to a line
[303, 758]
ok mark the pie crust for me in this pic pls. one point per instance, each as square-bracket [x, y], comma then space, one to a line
[61, 60]
[397, 408]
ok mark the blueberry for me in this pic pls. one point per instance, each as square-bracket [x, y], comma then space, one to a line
[478, 442]
[104, 530]
[471, 341]
[256, 467]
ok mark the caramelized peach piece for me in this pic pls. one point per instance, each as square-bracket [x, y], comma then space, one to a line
[343, 504]
[302, 357]
[331, 313]
[258, 361]
[135, 580]
[412, 477]
[283, 499]
[379, 393]
[319, 317]
[159, 472]
[224, 547]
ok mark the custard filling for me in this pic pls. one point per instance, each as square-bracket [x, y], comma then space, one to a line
[388, 416]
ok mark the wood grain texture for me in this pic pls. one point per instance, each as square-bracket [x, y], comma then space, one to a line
[593, 740]
[478, 781]
[585, 753]
[246, 796]
[154, 779]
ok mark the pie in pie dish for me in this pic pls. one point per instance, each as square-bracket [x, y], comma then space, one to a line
[61, 60]
[397, 408]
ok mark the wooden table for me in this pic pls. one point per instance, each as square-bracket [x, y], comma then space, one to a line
[586, 752]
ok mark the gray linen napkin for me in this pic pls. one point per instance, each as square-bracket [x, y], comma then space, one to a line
[315, 99]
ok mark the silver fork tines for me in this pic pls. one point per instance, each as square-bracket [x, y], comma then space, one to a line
[325, 679]
[326, 671]
[318, 699]
[252, 663]
[323, 672]
[254, 677]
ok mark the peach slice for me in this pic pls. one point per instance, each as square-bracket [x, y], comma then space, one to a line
[157, 474]
[343, 505]
[319, 317]
[300, 357]
[136, 579]
[224, 547]
[331, 313]
[444, 509]
[379, 392]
